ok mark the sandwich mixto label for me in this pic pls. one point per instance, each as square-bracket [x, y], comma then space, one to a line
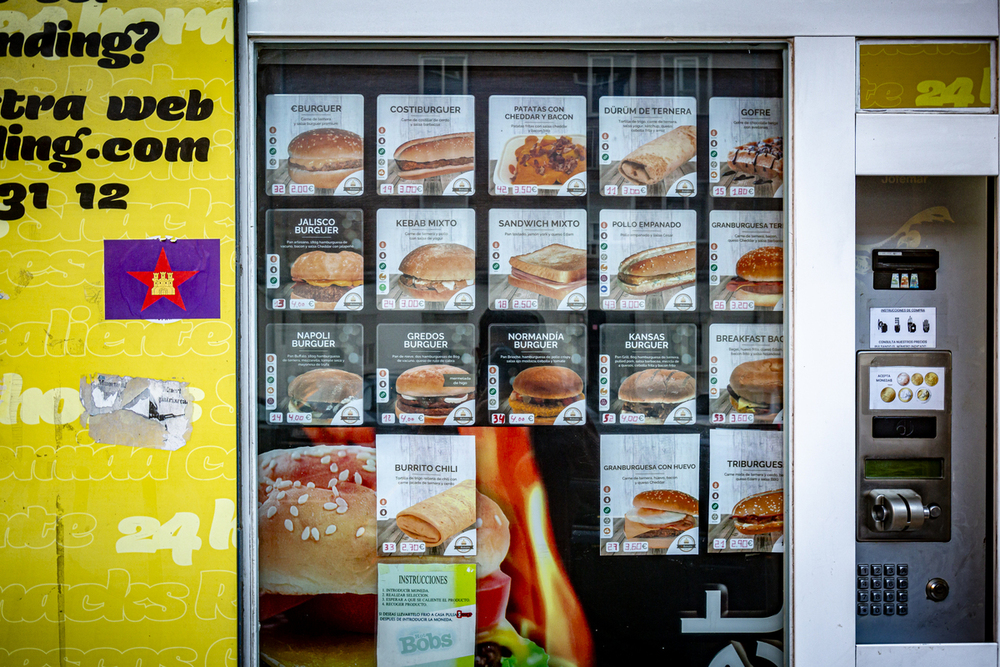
[426, 259]
[426, 374]
[538, 145]
[426, 145]
[647, 374]
[746, 374]
[746, 491]
[315, 260]
[538, 259]
[906, 387]
[537, 374]
[313, 374]
[746, 147]
[315, 145]
[648, 146]
[427, 495]
[649, 494]
[647, 260]
[746, 260]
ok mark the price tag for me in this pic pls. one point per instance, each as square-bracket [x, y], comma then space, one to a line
[411, 304]
[522, 419]
[628, 418]
[633, 304]
[524, 304]
[741, 305]
[300, 418]
[407, 418]
[740, 543]
[411, 188]
[741, 191]
[301, 189]
[385, 189]
[524, 190]
[610, 191]
[634, 190]
[635, 547]
[301, 304]
[740, 418]
[612, 547]
[412, 547]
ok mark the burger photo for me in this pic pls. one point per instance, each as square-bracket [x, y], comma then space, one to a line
[760, 513]
[760, 276]
[437, 271]
[545, 391]
[324, 157]
[425, 390]
[660, 513]
[655, 392]
[323, 393]
[325, 277]
[756, 387]
[658, 269]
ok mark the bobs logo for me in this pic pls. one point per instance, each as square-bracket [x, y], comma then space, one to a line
[421, 642]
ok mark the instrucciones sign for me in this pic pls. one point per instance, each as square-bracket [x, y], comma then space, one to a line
[926, 76]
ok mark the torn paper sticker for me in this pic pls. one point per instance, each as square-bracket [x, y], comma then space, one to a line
[137, 412]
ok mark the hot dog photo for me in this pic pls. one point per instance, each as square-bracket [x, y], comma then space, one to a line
[747, 147]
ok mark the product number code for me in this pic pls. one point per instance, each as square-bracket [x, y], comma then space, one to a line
[388, 304]
[610, 191]
[719, 304]
[719, 543]
[498, 419]
[501, 304]
[278, 189]
[609, 304]
[611, 547]
[385, 189]
[388, 418]
[719, 191]
[389, 547]
[718, 418]
[635, 547]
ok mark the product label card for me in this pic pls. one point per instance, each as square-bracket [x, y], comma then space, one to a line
[315, 145]
[426, 145]
[746, 260]
[903, 328]
[426, 495]
[426, 374]
[647, 374]
[745, 140]
[538, 145]
[906, 387]
[648, 146]
[426, 259]
[746, 373]
[538, 259]
[647, 260]
[315, 260]
[537, 374]
[649, 494]
[746, 479]
[313, 374]
[426, 615]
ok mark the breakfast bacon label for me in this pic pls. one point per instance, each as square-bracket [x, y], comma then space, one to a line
[426, 145]
[746, 476]
[746, 260]
[649, 494]
[746, 147]
[538, 145]
[314, 145]
[314, 259]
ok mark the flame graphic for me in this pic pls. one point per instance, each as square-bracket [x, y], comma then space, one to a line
[543, 605]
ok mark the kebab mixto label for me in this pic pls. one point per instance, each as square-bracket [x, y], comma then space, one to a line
[426, 145]
[746, 491]
[647, 374]
[538, 145]
[648, 146]
[906, 387]
[426, 495]
[746, 147]
[649, 494]
[314, 260]
[746, 374]
[538, 259]
[537, 374]
[746, 260]
[426, 374]
[647, 260]
[314, 145]
[313, 374]
[426, 259]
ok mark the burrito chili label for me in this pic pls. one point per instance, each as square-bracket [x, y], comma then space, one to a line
[426, 495]
[746, 374]
[747, 507]
[746, 260]
[314, 145]
[746, 147]
[648, 146]
[649, 494]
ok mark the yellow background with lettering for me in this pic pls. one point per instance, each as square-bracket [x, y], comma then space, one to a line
[110, 553]
[927, 76]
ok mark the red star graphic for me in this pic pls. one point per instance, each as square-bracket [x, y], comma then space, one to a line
[146, 278]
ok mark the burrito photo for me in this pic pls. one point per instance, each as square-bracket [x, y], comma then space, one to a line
[434, 520]
[652, 162]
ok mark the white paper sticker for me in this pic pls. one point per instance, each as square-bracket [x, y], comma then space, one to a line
[903, 328]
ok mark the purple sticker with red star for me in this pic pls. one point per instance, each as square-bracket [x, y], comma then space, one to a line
[161, 280]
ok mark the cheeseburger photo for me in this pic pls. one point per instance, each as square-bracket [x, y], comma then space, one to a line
[430, 391]
[436, 156]
[660, 513]
[655, 392]
[324, 157]
[760, 513]
[326, 277]
[756, 387]
[760, 276]
[544, 391]
[658, 269]
[323, 393]
[437, 271]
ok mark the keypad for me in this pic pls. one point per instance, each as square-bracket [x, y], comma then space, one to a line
[882, 589]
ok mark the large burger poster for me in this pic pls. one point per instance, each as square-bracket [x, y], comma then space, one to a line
[117, 302]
